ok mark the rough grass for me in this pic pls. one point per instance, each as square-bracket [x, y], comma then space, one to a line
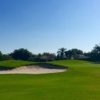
[80, 82]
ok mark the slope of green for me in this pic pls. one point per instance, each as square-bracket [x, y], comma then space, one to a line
[80, 82]
[70, 62]
[14, 63]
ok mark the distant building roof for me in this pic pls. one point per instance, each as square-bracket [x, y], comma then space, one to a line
[82, 57]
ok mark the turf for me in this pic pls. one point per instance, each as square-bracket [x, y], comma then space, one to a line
[80, 82]
[15, 63]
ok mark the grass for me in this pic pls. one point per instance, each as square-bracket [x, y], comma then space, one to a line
[80, 82]
[15, 63]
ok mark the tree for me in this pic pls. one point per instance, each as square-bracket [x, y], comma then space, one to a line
[0, 55]
[61, 53]
[95, 53]
[47, 56]
[32, 57]
[21, 54]
[6, 57]
[76, 53]
[68, 54]
[73, 53]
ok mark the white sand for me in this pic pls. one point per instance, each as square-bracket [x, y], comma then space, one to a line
[34, 69]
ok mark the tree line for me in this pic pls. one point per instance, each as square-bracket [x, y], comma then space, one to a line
[62, 53]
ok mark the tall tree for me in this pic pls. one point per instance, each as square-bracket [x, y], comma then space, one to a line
[0, 55]
[95, 53]
[61, 53]
[68, 54]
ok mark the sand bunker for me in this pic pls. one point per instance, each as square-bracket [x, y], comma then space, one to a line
[33, 69]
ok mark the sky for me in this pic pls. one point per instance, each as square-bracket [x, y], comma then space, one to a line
[47, 25]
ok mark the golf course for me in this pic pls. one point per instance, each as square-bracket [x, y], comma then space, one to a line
[81, 81]
[49, 49]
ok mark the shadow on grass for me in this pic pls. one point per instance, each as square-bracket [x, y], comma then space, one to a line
[5, 68]
[50, 66]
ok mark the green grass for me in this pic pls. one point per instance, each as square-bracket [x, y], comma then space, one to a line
[15, 63]
[80, 82]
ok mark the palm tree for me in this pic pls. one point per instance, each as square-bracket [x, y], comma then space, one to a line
[58, 54]
[61, 53]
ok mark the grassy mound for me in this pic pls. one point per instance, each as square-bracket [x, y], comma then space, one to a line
[15, 63]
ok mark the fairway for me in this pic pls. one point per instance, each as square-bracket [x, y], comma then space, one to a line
[80, 82]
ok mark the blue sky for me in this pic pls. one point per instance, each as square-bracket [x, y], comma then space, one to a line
[47, 25]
